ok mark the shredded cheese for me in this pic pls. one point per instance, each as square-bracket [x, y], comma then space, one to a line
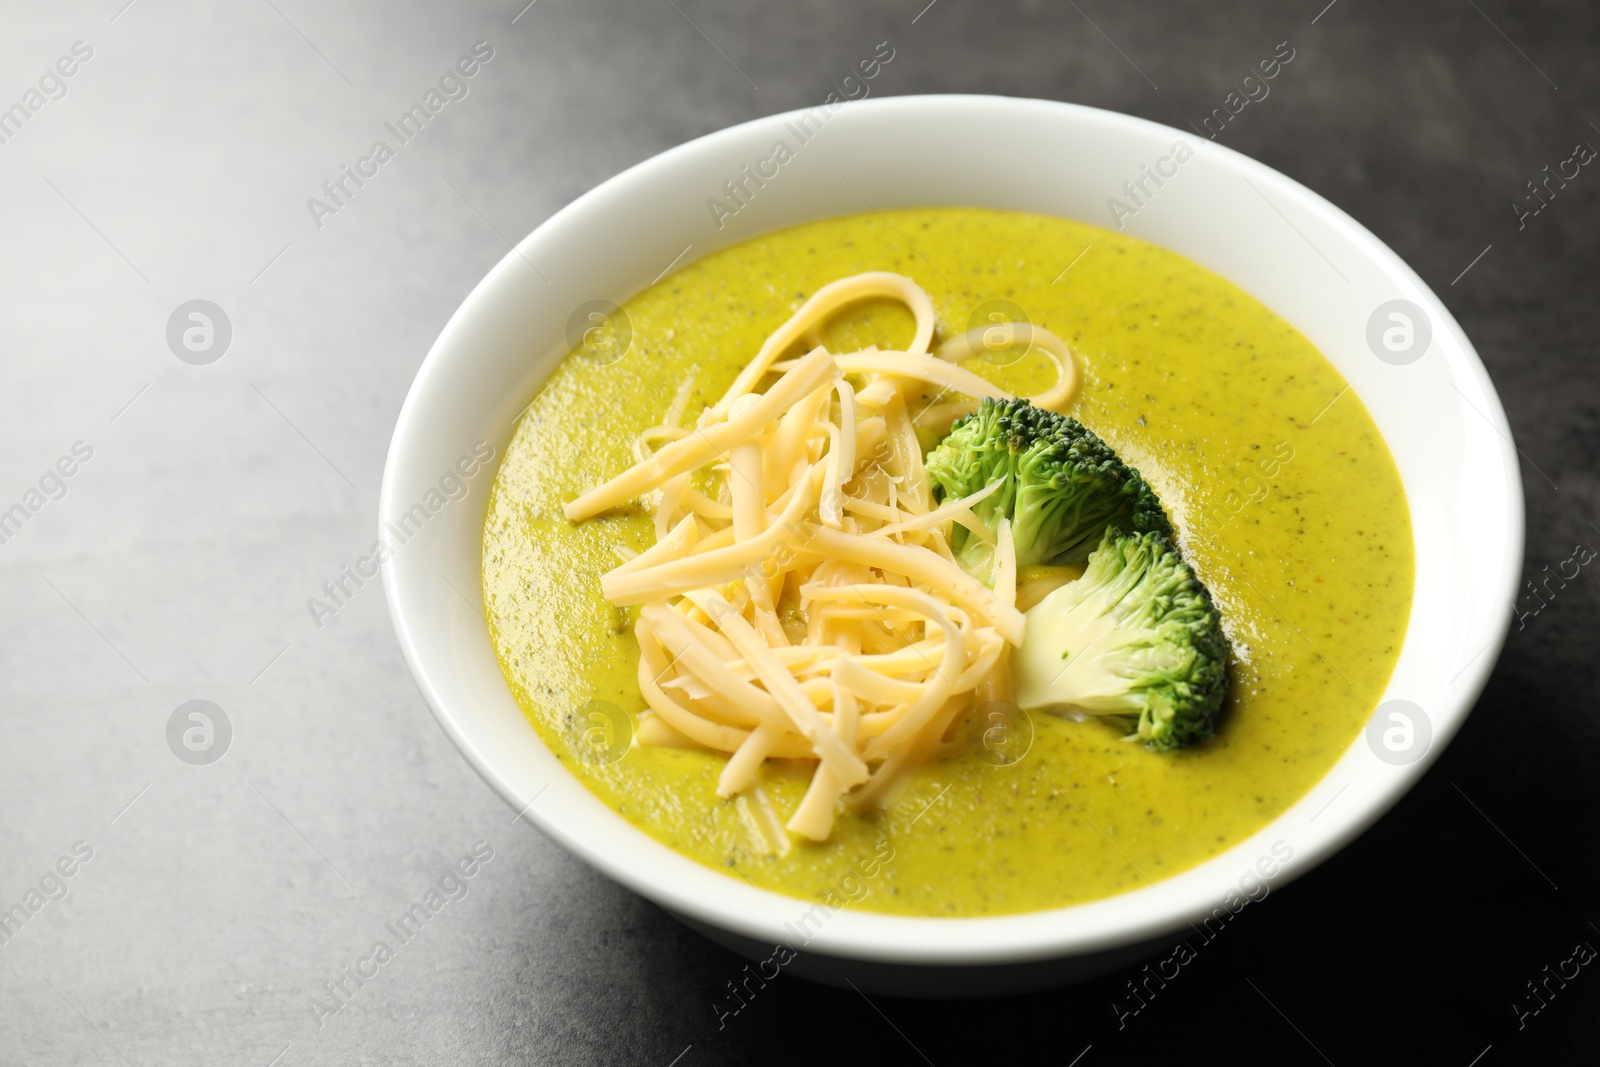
[811, 608]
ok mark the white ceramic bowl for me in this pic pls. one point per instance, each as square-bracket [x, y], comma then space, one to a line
[1306, 259]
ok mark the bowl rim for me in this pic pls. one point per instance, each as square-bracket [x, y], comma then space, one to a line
[979, 940]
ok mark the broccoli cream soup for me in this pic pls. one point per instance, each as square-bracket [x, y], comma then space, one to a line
[1268, 500]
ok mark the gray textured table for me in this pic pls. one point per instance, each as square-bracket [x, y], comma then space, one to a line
[165, 152]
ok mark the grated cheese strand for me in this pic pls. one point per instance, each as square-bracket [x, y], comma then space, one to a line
[823, 303]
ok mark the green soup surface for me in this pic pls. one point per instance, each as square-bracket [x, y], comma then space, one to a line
[1288, 504]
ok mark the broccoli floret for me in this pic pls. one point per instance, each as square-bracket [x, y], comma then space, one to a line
[1063, 485]
[1137, 636]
